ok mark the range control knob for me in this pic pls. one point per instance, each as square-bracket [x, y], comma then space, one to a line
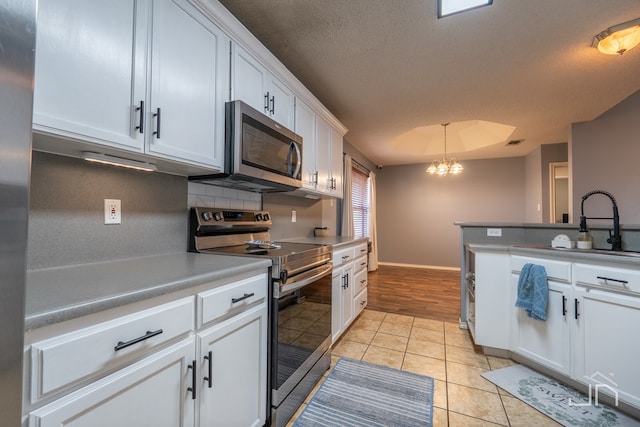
[259, 217]
[266, 217]
[284, 276]
[206, 216]
[217, 216]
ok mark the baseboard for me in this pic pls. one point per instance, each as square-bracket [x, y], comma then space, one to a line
[432, 267]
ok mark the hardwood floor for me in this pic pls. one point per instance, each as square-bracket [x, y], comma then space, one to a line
[420, 292]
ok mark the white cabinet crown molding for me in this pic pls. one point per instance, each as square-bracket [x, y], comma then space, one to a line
[215, 11]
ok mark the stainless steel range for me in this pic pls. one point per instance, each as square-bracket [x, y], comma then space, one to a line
[300, 299]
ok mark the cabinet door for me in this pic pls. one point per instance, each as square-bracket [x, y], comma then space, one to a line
[546, 342]
[336, 162]
[348, 287]
[493, 303]
[234, 387]
[337, 295]
[305, 126]
[190, 60]
[91, 70]
[248, 80]
[323, 155]
[281, 102]
[152, 392]
[606, 345]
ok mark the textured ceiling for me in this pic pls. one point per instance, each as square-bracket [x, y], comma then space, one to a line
[385, 67]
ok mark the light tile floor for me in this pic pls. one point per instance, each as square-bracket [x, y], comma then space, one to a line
[445, 352]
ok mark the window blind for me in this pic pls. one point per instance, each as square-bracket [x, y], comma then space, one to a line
[360, 202]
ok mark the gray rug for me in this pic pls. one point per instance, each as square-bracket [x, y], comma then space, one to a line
[358, 393]
[564, 404]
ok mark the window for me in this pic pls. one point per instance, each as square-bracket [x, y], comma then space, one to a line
[450, 7]
[360, 202]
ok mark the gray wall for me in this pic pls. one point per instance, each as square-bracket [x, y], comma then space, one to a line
[308, 215]
[533, 186]
[66, 216]
[605, 155]
[416, 211]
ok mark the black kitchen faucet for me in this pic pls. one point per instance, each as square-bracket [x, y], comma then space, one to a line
[614, 239]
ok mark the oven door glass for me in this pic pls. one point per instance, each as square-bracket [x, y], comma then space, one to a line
[304, 326]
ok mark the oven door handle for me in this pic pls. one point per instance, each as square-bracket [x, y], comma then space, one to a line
[316, 274]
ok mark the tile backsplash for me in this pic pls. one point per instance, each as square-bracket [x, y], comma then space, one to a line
[220, 197]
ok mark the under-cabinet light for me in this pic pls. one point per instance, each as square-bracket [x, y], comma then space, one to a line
[118, 161]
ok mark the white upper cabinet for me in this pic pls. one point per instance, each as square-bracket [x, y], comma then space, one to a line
[337, 164]
[252, 83]
[329, 158]
[149, 77]
[189, 62]
[305, 126]
[321, 151]
[91, 69]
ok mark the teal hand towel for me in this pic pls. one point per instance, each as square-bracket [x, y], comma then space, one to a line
[533, 291]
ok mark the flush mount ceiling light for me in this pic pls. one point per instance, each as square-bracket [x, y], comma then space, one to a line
[450, 7]
[619, 38]
[444, 167]
[118, 161]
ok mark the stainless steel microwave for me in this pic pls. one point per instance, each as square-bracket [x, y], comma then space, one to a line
[260, 154]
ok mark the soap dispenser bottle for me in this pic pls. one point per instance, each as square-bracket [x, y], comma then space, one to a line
[584, 237]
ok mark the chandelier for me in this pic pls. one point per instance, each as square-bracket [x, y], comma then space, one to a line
[444, 167]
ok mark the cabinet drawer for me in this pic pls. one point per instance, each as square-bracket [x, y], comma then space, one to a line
[361, 264]
[343, 255]
[69, 358]
[359, 302]
[228, 300]
[360, 280]
[361, 250]
[556, 270]
[622, 279]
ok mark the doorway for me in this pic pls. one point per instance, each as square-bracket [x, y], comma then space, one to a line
[559, 192]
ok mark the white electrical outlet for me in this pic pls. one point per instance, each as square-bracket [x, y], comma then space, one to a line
[112, 211]
[494, 232]
[293, 216]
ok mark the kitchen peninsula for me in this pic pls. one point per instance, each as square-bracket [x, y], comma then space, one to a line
[593, 304]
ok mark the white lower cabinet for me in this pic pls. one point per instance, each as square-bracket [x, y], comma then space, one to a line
[152, 392]
[606, 348]
[349, 284]
[546, 342]
[115, 374]
[341, 300]
[488, 305]
[593, 314]
[233, 363]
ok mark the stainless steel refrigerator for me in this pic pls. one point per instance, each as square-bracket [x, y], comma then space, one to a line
[17, 48]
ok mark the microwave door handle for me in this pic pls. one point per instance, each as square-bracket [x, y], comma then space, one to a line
[298, 163]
